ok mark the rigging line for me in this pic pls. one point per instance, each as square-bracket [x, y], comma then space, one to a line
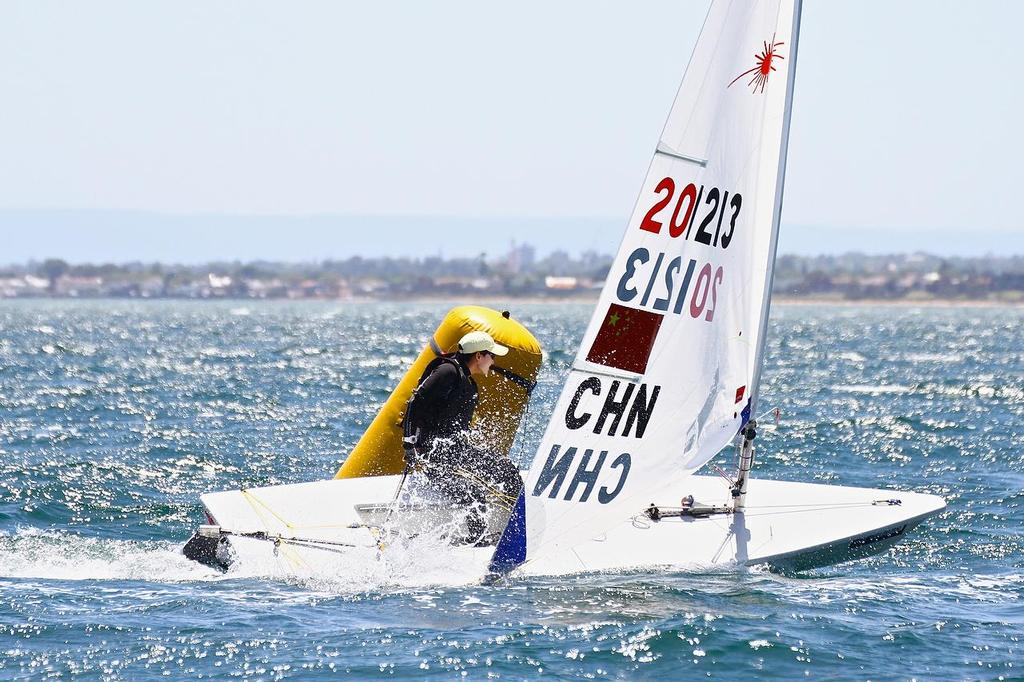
[833, 505]
[723, 474]
[326, 526]
[294, 559]
[252, 498]
[286, 547]
[518, 461]
[310, 541]
[483, 483]
[518, 380]
[321, 548]
[318, 544]
[291, 553]
[291, 526]
[392, 506]
[253, 501]
[797, 511]
[275, 537]
[725, 542]
[643, 522]
[780, 512]
[288, 553]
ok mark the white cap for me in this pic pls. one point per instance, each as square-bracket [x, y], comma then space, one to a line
[475, 342]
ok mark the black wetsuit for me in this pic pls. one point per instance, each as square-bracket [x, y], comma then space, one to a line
[440, 412]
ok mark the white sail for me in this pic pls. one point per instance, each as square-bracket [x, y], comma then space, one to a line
[667, 370]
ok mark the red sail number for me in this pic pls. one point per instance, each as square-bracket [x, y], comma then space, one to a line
[649, 223]
[688, 204]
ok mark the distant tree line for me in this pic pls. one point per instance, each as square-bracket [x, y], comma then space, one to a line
[851, 276]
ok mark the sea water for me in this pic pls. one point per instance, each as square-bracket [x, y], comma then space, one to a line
[116, 416]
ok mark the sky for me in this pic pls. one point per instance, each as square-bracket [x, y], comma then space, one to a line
[187, 131]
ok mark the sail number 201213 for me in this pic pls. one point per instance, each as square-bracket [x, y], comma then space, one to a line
[694, 207]
[675, 284]
[668, 285]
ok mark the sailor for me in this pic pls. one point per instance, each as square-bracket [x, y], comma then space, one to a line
[437, 439]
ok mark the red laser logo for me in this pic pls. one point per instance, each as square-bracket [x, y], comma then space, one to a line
[764, 66]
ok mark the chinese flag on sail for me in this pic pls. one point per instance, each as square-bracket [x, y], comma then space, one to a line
[625, 338]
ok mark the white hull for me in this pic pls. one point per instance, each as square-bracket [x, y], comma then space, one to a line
[790, 526]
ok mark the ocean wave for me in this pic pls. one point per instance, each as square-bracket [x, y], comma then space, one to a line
[61, 555]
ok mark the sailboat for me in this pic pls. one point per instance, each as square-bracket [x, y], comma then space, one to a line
[666, 377]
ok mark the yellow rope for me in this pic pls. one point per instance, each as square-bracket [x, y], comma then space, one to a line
[282, 550]
[288, 524]
[291, 555]
[250, 498]
[504, 498]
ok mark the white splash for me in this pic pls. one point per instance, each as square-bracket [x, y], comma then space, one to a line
[33, 553]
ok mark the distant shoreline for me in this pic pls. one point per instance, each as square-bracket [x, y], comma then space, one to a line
[542, 300]
[780, 300]
[901, 302]
[850, 279]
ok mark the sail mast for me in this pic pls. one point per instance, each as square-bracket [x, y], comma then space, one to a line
[766, 303]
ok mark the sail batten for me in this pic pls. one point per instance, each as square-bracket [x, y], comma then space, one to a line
[663, 149]
[624, 376]
[668, 367]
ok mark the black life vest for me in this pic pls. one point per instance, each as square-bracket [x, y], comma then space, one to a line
[433, 413]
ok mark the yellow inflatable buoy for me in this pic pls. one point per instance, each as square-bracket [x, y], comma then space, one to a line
[503, 395]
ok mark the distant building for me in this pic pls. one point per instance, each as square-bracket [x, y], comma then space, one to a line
[561, 283]
[219, 281]
[520, 258]
[67, 285]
